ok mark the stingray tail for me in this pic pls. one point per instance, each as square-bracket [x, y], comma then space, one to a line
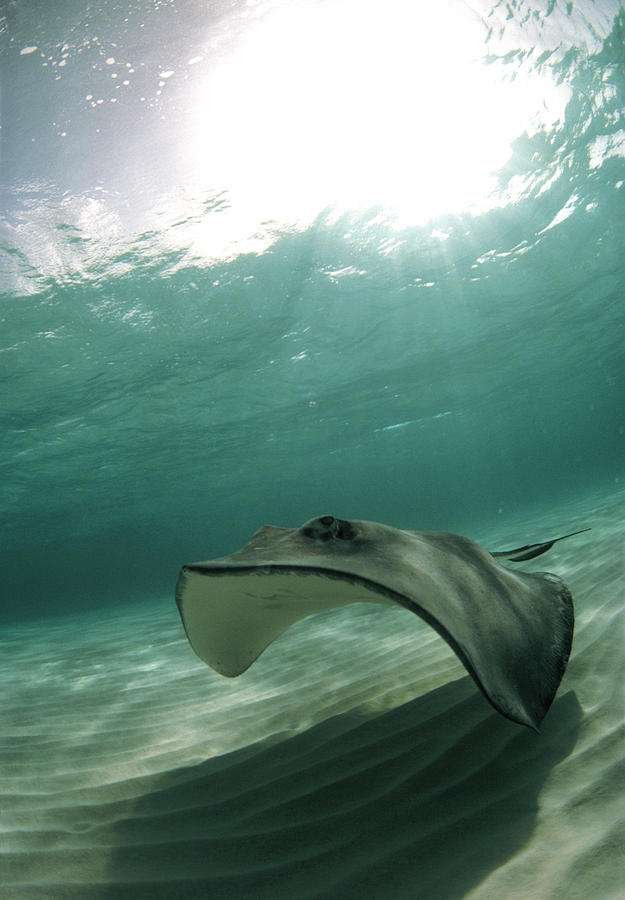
[532, 550]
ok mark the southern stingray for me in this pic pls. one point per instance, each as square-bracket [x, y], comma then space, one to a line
[511, 630]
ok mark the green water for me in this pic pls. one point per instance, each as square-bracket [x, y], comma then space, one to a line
[262, 260]
[160, 404]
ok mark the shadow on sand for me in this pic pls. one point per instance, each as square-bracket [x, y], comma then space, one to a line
[422, 801]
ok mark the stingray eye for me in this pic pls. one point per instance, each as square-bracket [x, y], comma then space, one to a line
[316, 530]
[345, 531]
[325, 528]
[322, 529]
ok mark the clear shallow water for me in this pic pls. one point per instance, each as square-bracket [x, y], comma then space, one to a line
[355, 757]
[235, 294]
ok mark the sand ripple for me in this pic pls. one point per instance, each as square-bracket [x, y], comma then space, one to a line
[373, 769]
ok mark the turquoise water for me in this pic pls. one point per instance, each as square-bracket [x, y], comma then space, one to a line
[160, 403]
[263, 261]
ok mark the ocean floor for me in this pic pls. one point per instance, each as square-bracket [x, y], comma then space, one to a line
[355, 759]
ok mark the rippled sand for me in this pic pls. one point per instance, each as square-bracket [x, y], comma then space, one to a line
[354, 759]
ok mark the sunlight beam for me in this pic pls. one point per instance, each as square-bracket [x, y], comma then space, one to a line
[351, 104]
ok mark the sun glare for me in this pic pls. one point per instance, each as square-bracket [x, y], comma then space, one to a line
[349, 104]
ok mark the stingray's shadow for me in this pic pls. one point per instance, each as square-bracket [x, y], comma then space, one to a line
[422, 801]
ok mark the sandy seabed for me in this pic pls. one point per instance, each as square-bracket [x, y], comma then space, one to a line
[355, 759]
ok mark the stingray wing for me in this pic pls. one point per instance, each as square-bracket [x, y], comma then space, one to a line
[511, 630]
[231, 614]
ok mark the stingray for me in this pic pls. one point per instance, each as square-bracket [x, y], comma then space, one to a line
[511, 630]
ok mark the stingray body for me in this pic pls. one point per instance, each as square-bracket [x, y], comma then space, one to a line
[511, 630]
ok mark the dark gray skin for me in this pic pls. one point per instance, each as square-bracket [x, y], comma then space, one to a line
[511, 630]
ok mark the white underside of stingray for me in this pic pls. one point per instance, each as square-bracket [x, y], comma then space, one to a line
[511, 630]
